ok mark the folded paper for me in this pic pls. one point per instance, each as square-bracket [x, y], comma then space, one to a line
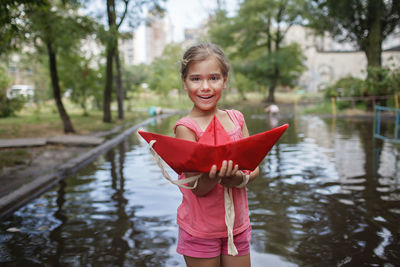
[213, 147]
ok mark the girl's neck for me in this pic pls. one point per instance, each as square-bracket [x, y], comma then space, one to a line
[203, 113]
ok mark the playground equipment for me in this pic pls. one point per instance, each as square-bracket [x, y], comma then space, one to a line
[377, 123]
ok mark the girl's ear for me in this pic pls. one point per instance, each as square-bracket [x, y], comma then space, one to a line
[184, 84]
[225, 81]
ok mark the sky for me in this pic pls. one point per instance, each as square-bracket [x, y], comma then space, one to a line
[183, 13]
[192, 13]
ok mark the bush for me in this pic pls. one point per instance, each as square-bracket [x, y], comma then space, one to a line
[395, 81]
[348, 87]
[378, 82]
[8, 107]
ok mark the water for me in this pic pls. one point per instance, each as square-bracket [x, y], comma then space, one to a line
[328, 194]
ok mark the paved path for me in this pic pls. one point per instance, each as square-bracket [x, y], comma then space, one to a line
[73, 140]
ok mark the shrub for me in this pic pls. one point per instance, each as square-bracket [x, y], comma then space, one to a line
[8, 107]
[378, 82]
[348, 86]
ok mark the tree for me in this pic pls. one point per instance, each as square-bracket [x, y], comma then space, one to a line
[365, 22]
[12, 26]
[133, 11]
[164, 71]
[80, 79]
[55, 28]
[254, 38]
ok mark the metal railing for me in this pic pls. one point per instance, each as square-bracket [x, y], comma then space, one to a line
[377, 123]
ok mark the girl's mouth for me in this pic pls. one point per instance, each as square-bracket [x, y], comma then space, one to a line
[206, 97]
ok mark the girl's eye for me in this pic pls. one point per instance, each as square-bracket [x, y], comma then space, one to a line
[214, 78]
[195, 79]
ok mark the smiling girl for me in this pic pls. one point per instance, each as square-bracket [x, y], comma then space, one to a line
[203, 234]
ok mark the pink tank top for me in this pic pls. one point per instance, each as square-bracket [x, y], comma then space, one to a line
[204, 216]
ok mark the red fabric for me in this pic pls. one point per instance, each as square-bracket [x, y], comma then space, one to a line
[213, 147]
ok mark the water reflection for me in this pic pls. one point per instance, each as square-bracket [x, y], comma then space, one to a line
[328, 194]
[56, 234]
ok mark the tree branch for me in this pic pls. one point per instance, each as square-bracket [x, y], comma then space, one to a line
[123, 14]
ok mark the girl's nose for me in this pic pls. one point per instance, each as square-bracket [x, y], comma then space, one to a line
[205, 84]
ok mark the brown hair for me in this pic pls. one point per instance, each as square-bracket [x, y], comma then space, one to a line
[201, 52]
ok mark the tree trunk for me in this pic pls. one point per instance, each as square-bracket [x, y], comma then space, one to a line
[109, 65]
[120, 91]
[274, 82]
[67, 124]
[108, 86]
[373, 41]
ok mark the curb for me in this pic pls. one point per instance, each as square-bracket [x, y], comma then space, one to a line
[27, 192]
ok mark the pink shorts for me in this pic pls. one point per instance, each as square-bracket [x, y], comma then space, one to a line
[196, 247]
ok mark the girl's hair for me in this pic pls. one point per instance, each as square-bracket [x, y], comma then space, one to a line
[201, 52]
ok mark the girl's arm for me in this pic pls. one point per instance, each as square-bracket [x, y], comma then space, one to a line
[205, 182]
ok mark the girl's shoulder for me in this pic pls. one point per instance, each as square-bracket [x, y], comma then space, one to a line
[236, 116]
[188, 123]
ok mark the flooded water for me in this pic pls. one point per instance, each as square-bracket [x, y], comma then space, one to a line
[328, 194]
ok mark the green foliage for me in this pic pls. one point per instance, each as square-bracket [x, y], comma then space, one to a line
[378, 81]
[8, 107]
[82, 81]
[134, 76]
[366, 23]
[164, 71]
[243, 84]
[4, 80]
[395, 81]
[347, 87]
[59, 24]
[13, 30]
[253, 40]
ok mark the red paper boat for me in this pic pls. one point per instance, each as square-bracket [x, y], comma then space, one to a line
[213, 147]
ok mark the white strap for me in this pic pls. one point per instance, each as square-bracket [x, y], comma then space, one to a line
[246, 178]
[161, 163]
[230, 219]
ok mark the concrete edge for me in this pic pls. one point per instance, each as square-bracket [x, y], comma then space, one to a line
[18, 198]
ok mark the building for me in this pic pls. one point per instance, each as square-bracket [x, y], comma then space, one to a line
[327, 61]
[147, 42]
[158, 35]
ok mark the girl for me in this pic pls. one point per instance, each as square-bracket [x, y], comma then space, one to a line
[203, 234]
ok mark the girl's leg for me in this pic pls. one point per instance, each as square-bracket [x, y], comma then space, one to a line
[235, 261]
[202, 262]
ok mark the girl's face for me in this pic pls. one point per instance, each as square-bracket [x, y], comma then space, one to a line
[204, 83]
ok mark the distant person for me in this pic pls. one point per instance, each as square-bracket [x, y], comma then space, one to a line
[154, 111]
[205, 237]
[273, 111]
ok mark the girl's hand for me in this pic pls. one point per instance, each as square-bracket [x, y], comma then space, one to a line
[228, 175]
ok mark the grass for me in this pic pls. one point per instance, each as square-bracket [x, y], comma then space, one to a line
[13, 157]
[45, 122]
